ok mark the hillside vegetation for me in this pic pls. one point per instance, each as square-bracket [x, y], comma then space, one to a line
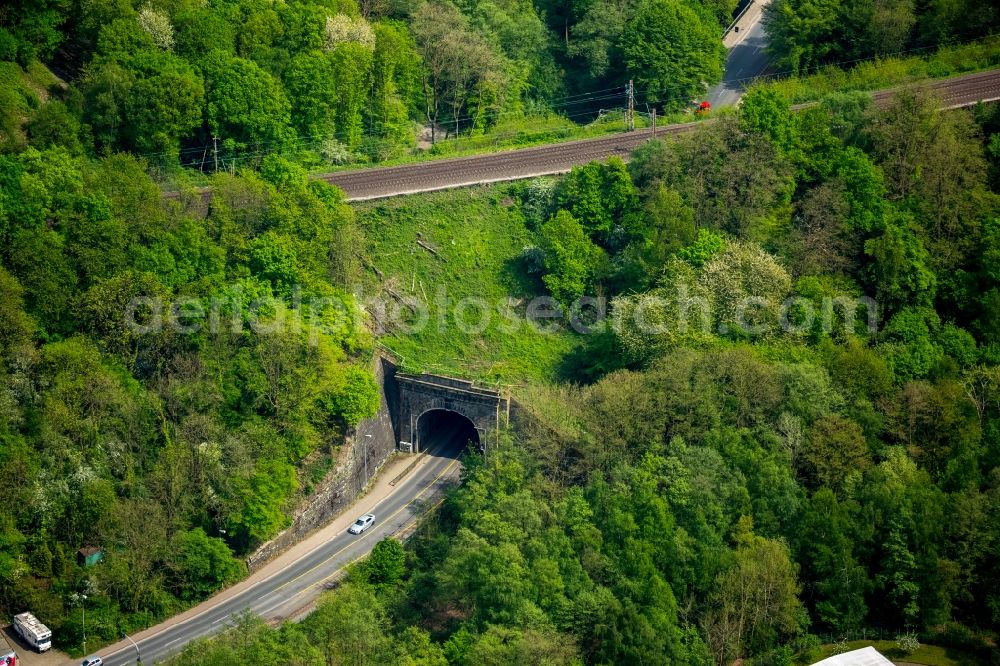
[778, 418]
[210, 85]
[463, 307]
[737, 474]
[168, 383]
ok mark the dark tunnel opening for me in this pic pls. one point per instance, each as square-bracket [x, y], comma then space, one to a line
[444, 432]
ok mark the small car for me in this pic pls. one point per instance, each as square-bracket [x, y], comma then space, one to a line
[361, 524]
[92, 660]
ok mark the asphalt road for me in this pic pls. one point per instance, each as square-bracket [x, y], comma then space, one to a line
[293, 587]
[746, 60]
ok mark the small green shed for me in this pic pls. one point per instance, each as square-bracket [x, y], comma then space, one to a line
[88, 556]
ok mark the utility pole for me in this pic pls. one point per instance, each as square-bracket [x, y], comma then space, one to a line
[215, 151]
[630, 109]
[138, 657]
[652, 115]
[82, 600]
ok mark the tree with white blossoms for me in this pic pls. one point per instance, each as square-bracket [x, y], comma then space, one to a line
[341, 29]
[748, 286]
[157, 24]
[678, 311]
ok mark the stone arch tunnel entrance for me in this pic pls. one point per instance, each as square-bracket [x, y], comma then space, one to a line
[446, 432]
[429, 407]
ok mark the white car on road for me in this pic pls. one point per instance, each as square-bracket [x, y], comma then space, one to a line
[361, 524]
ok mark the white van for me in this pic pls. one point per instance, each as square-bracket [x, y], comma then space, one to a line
[33, 632]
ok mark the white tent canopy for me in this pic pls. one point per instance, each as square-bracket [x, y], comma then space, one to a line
[867, 656]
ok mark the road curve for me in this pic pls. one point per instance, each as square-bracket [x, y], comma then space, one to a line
[292, 587]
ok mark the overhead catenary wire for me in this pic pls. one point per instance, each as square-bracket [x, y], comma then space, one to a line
[193, 155]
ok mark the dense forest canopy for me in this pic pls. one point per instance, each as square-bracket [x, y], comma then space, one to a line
[787, 427]
[804, 34]
[176, 444]
[725, 491]
[335, 81]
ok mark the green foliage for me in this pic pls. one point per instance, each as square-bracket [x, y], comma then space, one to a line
[357, 399]
[571, 258]
[146, 101]
[261, 497]
[201, 564]
[764, 111]
[161, 428]
[836, 449]
[313, 93]
[807, 33]
[244, 104]
[54, 125]
[616, 525]
[672, 51]
[600, 197]
[386, 564]
[705, 246]
[900, 272]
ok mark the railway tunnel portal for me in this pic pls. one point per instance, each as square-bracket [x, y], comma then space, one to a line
[429, 403]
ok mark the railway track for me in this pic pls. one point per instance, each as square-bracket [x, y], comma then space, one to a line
[381, 182]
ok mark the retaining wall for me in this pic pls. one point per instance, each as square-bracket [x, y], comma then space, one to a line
[374, 439]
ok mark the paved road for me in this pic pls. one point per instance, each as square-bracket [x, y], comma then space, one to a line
[293, 587]
[747, 59]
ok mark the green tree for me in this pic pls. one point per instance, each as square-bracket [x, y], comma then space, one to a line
[356, 397]
[273, 257]
[836, 449]
[802, 33]
[459, 65]
[350, 64]
[600, 196]
[705, 246]
[672, 51]
[765, 111]
[910, 349]
[146, 101]
[386, 564]
[198, 32]
[571, 258]
[200, 564]
[833, 579]
[899, 270]
[396, 84]
[312, 90]
[259, 500]
[349, 627]
[757, 603]
[54, 125]
[245, 106]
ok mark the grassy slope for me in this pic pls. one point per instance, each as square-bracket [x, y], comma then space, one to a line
[479, 232]
[931, 655]
[21, 92]
[888, 72]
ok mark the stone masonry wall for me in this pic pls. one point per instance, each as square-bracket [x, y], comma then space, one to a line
[374, 438]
